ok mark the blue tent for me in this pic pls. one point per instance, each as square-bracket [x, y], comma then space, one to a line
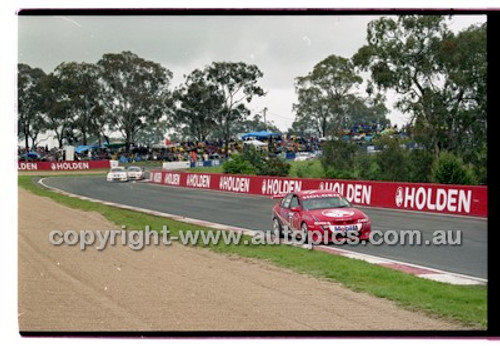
[31, 155]
[81, 148]
[260, 134]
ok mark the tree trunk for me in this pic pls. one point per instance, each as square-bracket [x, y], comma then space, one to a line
[84, 134]
[226, 138]
[26, 142]
[127, 141]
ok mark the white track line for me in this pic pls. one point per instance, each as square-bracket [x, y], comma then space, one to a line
[433, 274]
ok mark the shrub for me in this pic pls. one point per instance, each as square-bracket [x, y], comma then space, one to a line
[450, 169]
[420, 165]
[367, 167]
[338, 155]
[237, 164]
[392, 160]
[273, 166]
[254, 161]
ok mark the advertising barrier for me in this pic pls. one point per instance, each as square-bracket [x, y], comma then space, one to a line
[62, 165]
[437, 198]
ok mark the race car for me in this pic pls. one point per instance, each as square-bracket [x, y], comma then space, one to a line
[136, 173]
[320, 216]
[117, 174]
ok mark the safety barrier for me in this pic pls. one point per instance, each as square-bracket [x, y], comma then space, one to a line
[208, 163]
[176, 165]
[61, 165]
[437, 198]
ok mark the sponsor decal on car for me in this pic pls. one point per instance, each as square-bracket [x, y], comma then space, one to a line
[337, 213]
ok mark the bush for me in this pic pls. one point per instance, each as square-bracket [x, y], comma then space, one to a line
[253, 161]
[338, 156]
[307, 169]
[420, 165]
[392, 160]
[273, 166]
[237, 164]
[367, 167]
[450, 169]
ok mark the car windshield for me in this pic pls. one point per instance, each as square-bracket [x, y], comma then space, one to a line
[134, 169]
[325, 203]
[116, 170]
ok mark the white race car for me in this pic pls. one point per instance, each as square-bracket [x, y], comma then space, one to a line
[135, 173]
[117, 174]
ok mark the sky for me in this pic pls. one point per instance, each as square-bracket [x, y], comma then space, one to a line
[283, 47]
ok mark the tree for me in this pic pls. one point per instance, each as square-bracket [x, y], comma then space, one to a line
[152, 134]
[78, 86]
[440, 77]
[368, 111]
[135, 92]
[325, 93]
[57, 105]
[237, 85]
[256, 123]
[30, 103]
[197, 106]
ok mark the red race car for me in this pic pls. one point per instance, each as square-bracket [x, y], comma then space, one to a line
[320, 216]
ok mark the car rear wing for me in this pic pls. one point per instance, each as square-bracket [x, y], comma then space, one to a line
[282, 195]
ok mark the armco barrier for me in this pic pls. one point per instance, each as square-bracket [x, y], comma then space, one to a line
[62, 165]
[437, 198]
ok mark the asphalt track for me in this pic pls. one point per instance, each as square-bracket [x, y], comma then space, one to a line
[254, 212]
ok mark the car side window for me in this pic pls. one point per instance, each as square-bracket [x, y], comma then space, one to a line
[286, 201]
[294, 202]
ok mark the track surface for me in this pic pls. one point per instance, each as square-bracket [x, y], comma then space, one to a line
[177, 288]
[254, 212]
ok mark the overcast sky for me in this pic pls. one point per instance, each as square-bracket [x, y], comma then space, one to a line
[283, 47]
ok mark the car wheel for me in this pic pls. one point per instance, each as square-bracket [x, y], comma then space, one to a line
[277, 227]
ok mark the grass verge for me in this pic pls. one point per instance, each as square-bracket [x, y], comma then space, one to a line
[463, 304]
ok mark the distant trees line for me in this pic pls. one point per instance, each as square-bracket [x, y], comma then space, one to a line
[439, 78]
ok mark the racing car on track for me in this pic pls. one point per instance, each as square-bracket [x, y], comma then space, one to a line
[117, 174]
[135, 173]
[320, 216]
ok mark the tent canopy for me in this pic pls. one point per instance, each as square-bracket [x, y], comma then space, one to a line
[260, 134]
[82, 148]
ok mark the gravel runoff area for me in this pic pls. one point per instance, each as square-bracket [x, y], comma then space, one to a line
[176, 288]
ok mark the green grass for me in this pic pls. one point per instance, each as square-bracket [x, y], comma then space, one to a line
[465, 305]
[306, 169]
